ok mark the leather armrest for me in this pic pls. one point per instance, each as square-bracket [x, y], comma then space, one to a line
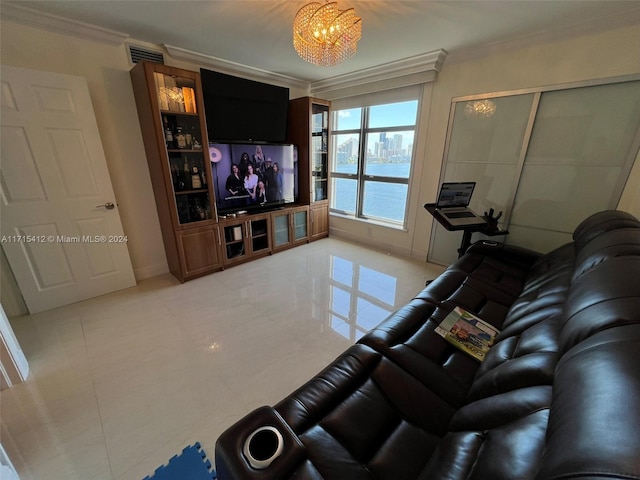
[232, 463]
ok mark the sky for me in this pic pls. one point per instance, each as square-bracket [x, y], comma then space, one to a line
[391, 115]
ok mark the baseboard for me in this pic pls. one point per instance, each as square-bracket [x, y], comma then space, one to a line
[151, 271]
[385, 247]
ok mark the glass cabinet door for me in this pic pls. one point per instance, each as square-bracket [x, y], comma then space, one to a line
[300, 225]
[319, 152]
[281, 229]
[183, 141]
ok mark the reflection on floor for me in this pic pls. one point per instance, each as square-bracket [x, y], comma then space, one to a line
[361, 297]
[121, 383]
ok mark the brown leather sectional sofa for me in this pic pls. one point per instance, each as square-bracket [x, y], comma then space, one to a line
[557, 396]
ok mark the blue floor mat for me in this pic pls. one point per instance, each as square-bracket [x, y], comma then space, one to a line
[191, 464]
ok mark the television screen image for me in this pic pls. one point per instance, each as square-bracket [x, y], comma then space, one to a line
[253, 176]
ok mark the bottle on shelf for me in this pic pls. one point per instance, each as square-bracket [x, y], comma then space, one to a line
[199, 212]
[196, 145]
[168, 133]
[181, 140]
[188, 138]
[175, 176]
[196, 179]
[186, 173]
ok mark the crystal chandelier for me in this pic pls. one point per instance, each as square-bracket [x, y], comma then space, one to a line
[480, 108]
[324, 35]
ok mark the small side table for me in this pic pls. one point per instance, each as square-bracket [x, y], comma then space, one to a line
[467, 230]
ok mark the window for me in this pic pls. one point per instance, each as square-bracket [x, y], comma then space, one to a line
[371, 159]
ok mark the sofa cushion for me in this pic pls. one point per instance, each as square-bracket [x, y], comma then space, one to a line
[501, 266]
[408, 338]
[355, 417]
[594, 424]
[519, 361]
[501, 437]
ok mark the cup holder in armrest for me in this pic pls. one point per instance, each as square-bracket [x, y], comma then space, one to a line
[263, 446]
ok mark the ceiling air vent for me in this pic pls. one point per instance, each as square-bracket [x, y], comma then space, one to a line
[137, 54]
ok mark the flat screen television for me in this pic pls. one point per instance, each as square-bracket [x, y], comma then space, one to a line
[253, 177]
[241, 110]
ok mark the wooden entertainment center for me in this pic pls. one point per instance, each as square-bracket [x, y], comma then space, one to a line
[197, 240]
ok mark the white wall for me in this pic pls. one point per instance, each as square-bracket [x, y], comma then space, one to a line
[106, 68]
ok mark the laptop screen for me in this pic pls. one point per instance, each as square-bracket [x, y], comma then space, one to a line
[456, 194]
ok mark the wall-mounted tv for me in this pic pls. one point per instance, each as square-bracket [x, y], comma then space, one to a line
[253, 177]
[242, 110]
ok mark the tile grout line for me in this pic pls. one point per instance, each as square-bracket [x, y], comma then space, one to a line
[95, 394]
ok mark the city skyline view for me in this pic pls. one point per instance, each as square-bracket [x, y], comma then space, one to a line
[385, 147]
[382, 146]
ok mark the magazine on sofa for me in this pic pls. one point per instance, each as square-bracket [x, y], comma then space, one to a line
[467, 332]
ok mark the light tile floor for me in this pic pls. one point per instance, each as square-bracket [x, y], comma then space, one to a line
[121, 383]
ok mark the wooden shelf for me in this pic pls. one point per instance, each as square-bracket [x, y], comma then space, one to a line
[187, 217]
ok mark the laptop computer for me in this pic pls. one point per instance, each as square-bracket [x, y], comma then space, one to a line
[453, 203]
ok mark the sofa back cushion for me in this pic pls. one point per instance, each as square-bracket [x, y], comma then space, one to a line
[601, 222]
[594, 420]
[611, 244]
[606, 296]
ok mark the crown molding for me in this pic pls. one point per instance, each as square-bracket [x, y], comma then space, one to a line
[54, 23]
[414, 69]
[233, 68]
[417, 69]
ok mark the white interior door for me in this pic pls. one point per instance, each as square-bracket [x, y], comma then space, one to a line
[61, 241]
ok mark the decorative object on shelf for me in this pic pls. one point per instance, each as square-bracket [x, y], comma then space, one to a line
[324, 35]
[180, 138]
[480, 108]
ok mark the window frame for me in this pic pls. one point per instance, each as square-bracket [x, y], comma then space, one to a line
[360, 176]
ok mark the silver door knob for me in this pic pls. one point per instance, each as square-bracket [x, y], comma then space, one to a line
[108, 206]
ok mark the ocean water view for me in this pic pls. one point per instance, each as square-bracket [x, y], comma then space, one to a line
[386, 201]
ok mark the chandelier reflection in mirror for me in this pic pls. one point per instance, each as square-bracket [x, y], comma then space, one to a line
[324, 35]
[480, 108]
